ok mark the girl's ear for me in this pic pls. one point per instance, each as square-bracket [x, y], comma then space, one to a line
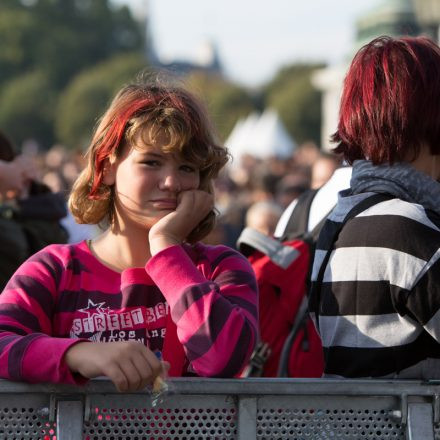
[109, 173]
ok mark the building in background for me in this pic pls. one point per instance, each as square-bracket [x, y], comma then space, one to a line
[207, 59]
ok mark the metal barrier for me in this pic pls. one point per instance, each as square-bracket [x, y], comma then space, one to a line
[224, 409]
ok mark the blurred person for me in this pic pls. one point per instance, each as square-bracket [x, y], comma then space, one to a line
[241, 172]
[62, 169]
[55, 181]
[30, 213]
[231, 204]
[263, 184]
[291, 186]
[149, 178]
[307, 212]
[376, 278]
[16, 171]
[70, 172]
[55, 157]
[263, 216]
[306, 154]
[323, 168]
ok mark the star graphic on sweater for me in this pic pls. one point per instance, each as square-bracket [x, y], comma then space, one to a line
[97, 308]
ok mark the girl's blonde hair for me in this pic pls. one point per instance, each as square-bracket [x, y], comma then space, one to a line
[152, 110]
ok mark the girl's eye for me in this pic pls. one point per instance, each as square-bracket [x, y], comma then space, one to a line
[151, 163]
[188, 168]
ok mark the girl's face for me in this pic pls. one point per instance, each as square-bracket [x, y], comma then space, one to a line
[147, 182]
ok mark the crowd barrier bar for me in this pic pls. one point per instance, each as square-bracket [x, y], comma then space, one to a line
[242, 409]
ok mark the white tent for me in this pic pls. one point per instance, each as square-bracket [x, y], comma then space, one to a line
[239, 141]
[261, 136]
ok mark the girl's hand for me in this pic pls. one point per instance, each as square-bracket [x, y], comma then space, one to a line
[130, 365]
[193, 206]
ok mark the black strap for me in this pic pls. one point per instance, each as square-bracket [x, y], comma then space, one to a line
[300, 318]
[299, 219]
[297, 227]
[356, 210]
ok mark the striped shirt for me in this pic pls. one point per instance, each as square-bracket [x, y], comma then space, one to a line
[63, 293]
[379, 312]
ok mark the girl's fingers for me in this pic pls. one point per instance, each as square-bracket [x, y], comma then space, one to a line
[135, 374]
[152, 360]
[118, 377]
[144, 370]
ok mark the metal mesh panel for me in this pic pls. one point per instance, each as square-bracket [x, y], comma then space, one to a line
[215, 409]
[181, 418]
[25, 418]
[278, 418]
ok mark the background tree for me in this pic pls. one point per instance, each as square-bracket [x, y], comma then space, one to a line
[87, 96]
[27, 107]
[226, 101]
[298, 103]
[50, 42]
[62, 60]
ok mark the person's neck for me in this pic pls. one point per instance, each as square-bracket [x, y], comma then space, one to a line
[120, 250]
[427, 163]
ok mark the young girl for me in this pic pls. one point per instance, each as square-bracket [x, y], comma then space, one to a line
[145, 289]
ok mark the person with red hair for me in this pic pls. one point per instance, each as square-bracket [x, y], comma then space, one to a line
[146, 289]
[375, 295]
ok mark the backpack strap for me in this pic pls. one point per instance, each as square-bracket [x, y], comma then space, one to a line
[301, 316]
[281, 255]
[299, 219]
[336, 228]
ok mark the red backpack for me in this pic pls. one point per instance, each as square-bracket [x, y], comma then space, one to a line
[289, 343]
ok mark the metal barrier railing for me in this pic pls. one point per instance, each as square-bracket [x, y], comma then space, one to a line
[224, 409]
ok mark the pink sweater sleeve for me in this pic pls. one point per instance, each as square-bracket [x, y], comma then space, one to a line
[28, 351]
[215, 313]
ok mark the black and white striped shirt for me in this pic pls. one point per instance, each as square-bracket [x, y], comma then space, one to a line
[379, 313]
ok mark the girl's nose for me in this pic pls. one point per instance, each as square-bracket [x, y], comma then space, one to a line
[170, 182]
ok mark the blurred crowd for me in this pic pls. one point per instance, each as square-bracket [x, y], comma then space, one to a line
[250, 192]
[255, 192]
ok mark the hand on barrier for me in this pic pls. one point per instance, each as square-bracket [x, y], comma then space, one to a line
[128, 364]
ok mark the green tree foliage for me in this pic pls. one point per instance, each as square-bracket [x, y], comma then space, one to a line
[17, 30]
[58, 39]
[298, 103]
[27, 107]
[86, 98]
[62, 37]
[226, 102]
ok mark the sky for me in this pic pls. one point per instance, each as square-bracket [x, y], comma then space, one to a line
[254, 38]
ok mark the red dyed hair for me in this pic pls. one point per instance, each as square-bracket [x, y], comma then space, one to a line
[390, 103]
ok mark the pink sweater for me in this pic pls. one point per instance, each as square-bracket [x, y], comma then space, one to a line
[64, 294]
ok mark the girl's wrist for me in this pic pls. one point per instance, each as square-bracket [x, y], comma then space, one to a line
[161, 242]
